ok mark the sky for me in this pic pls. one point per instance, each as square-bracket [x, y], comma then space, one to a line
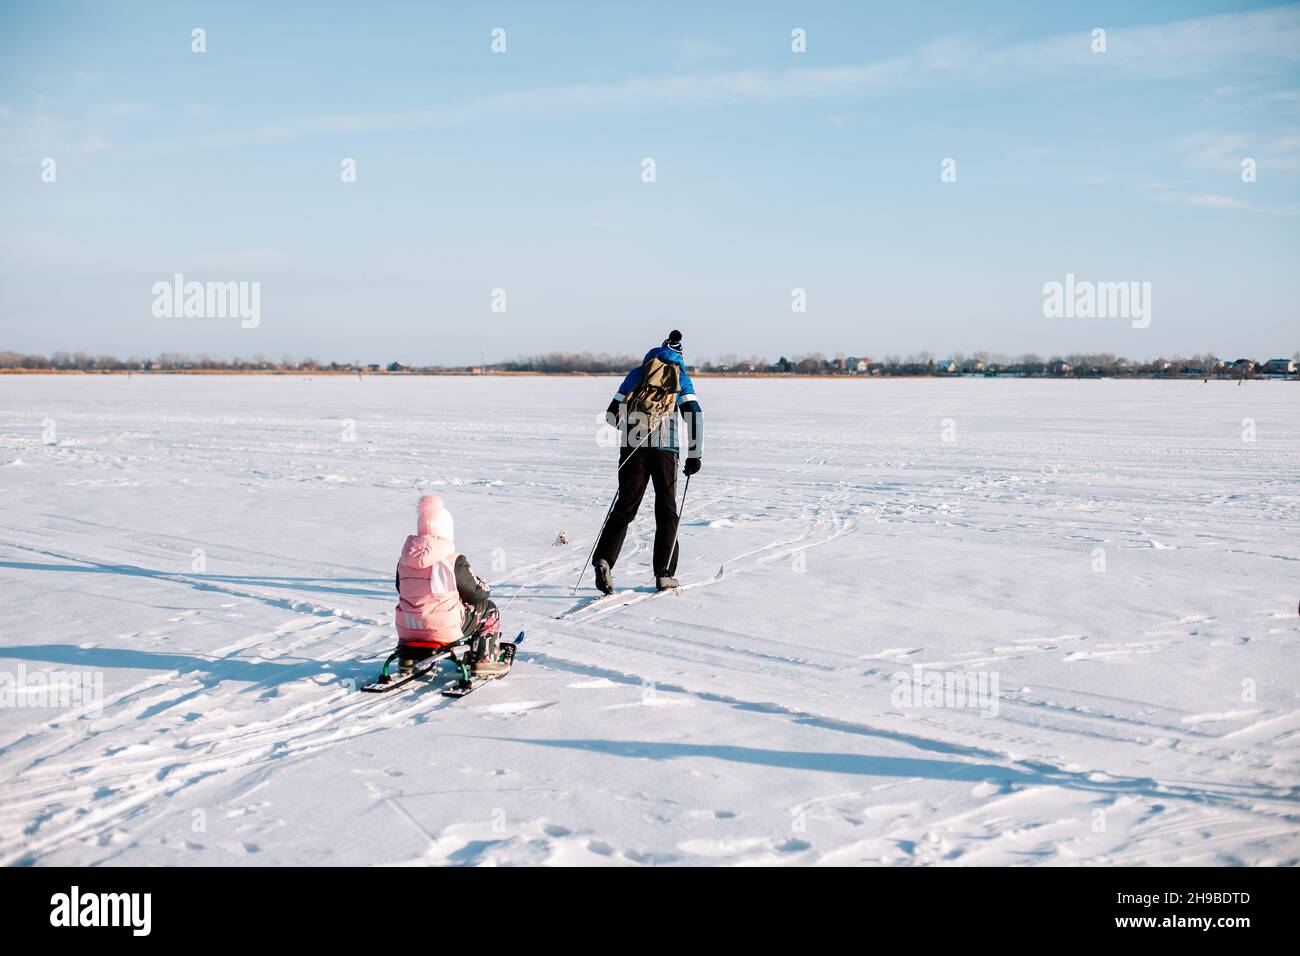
[525, 171]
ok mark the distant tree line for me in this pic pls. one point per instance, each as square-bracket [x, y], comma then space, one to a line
[167, 362]
[568, 362]
[1075, 365]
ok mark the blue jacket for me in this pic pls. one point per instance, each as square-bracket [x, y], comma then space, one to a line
[688, 406]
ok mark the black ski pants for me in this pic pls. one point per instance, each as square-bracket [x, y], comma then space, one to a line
[639, 467]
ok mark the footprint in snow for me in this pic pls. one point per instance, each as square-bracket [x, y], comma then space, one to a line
[713, 814]
[517, 707]
[657, 700]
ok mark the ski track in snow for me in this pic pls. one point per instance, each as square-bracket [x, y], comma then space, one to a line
[1148, 711]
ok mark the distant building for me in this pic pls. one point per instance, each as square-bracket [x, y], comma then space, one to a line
[947, 367]
[1279, 366]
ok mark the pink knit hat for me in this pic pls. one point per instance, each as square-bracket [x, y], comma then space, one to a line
[435, 520]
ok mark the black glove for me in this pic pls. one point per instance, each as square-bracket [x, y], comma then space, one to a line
[692, 466]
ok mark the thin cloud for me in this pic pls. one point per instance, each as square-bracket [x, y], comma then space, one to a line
[1214, 202]
[1224, 153]
[1256, 42]
[696, 49]
[1221, 202]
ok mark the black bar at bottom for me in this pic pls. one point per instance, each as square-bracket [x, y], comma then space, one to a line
[258, 906]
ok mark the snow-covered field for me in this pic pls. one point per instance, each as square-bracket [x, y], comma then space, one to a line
[1115, 563]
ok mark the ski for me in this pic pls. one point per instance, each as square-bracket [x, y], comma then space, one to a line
[603, 599]
[670, 591]
[694, 584]
[609, 603]
[636, 597]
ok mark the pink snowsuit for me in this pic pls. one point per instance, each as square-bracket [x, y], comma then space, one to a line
[429, 609]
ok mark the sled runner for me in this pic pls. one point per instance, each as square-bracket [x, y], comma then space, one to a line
[468, 683]
[458, 652]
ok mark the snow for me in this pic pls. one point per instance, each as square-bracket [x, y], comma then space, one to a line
[1115, 556]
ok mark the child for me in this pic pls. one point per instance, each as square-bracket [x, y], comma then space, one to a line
[440, 598]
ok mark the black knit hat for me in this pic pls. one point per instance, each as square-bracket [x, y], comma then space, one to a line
[674, 341]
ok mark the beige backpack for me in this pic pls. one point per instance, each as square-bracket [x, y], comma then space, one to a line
[655, 396]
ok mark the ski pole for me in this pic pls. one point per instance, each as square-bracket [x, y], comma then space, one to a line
[592, 553]
[623, 461]
[677, 533]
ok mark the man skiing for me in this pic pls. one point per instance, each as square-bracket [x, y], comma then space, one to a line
[645, 410]
[440, 598]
